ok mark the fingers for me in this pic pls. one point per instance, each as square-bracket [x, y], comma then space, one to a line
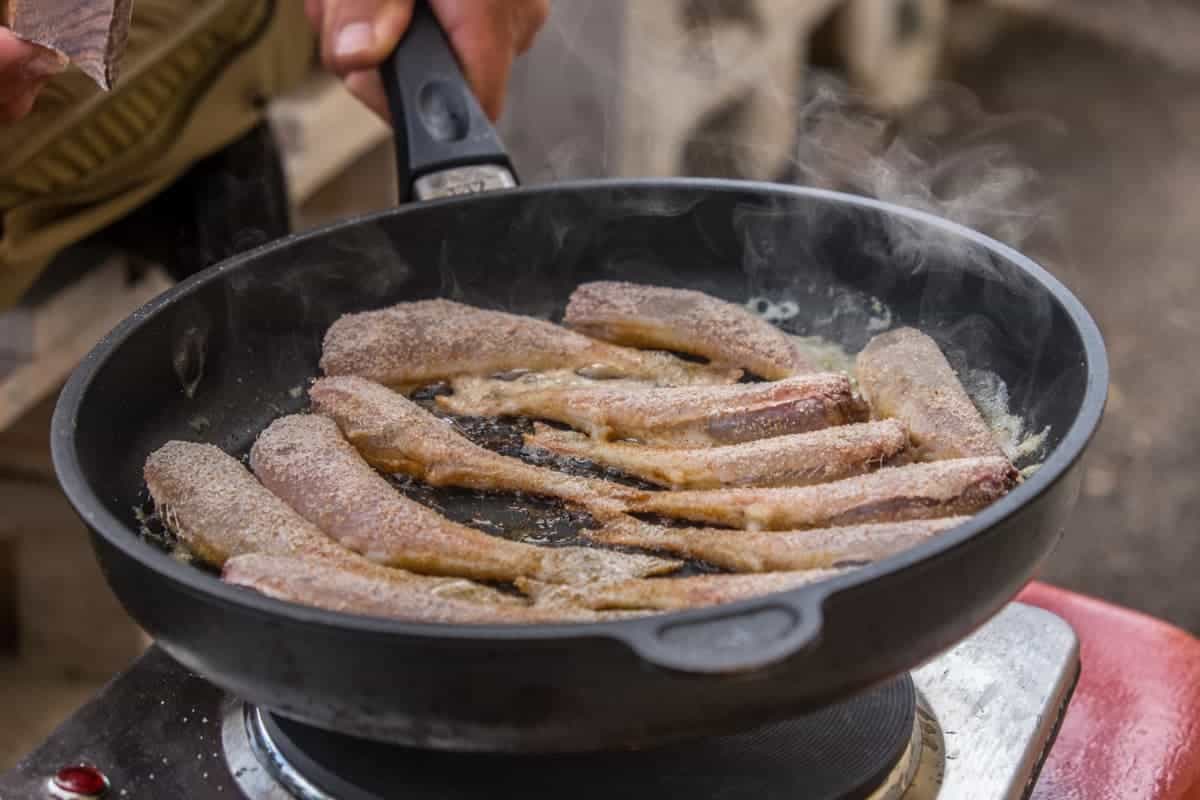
[24, 70]
[359, 34]
[315, 11]
[530, 17]
[368, 88]
[19, 107]
[487, 35]
[482, 37]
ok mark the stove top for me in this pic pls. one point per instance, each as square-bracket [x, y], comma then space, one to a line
[842, 751]
[976, 723]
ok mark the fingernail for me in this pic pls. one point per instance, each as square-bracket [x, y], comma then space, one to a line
[353, 39]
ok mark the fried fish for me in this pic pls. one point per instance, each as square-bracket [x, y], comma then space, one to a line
[304, 460]
[426, 341]
[395, 434]
[220, 512]
[336, 588]
[685, 321]
[671, 594]
[774, 551]
[893, 494]
[696, 416]
[904, 374]
[796, 460]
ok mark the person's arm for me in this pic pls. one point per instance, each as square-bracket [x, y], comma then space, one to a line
[487, 35]
[24, 70]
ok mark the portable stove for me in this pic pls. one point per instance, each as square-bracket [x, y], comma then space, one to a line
[976, 723]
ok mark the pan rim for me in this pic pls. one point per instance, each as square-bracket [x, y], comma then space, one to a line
[118, 534]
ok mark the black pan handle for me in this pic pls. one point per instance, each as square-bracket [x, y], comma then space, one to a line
[732, 640]
[445, 144]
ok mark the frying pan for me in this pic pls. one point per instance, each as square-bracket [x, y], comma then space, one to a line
[223, 353]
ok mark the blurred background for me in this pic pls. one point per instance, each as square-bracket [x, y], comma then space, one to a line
[1065, 127]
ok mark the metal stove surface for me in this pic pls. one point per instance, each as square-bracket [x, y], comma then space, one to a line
[987, 712]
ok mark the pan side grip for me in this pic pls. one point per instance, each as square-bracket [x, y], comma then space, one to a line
[730, 641]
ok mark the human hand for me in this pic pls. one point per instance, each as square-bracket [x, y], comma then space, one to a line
[24, 70]
[487, 35]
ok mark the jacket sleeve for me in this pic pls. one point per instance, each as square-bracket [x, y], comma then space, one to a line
[197, 75]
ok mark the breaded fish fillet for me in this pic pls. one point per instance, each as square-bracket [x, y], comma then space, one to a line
[796, 460]
[893, 494]
[696, 416]
[394, 434]
[335, 588]
[774, 551]
[425, 341]
[221, 512]
[905, 375]
[304, 459]
[685, 321]
[671, 594]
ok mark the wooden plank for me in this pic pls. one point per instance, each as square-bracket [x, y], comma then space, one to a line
[28, 383]
[322, 130]
[35, 704]
[69, 621]
[51, 312]
[367, 185]
[25, 445]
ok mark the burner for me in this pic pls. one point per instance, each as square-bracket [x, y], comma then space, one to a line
[843, 752]
[986, 712]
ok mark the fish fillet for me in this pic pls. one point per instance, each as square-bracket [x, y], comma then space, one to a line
[697, 416]
[221, 512]
[335, 588]
[395, 434]
[671, 594]
[218, 510]
[894, 494]
[775, 551]
[426, 341]
[305, 460]
[796, 460]
[905, 375]
[685, 321]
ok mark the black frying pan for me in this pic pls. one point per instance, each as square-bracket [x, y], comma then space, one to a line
[219, 356]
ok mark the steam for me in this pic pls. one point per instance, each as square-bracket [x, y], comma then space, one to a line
[949, 158]
[946, 156]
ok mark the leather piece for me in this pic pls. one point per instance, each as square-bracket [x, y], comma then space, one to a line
[1132, 729]
[196, 77]
[92, 34]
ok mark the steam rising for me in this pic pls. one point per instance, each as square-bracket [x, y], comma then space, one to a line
[946, 156]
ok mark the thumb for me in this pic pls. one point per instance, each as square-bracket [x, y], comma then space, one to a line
[24, 70]
[359, 34]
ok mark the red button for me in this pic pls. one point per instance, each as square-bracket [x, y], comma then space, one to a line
[83, 780]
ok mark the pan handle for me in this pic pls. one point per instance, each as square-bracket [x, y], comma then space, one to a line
[445, 144]
[730, 641]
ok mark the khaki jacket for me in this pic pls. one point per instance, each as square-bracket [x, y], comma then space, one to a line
[196, 76]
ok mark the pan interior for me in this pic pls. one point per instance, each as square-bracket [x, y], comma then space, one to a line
[239, 345]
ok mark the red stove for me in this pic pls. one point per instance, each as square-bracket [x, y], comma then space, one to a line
[1007, 713]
